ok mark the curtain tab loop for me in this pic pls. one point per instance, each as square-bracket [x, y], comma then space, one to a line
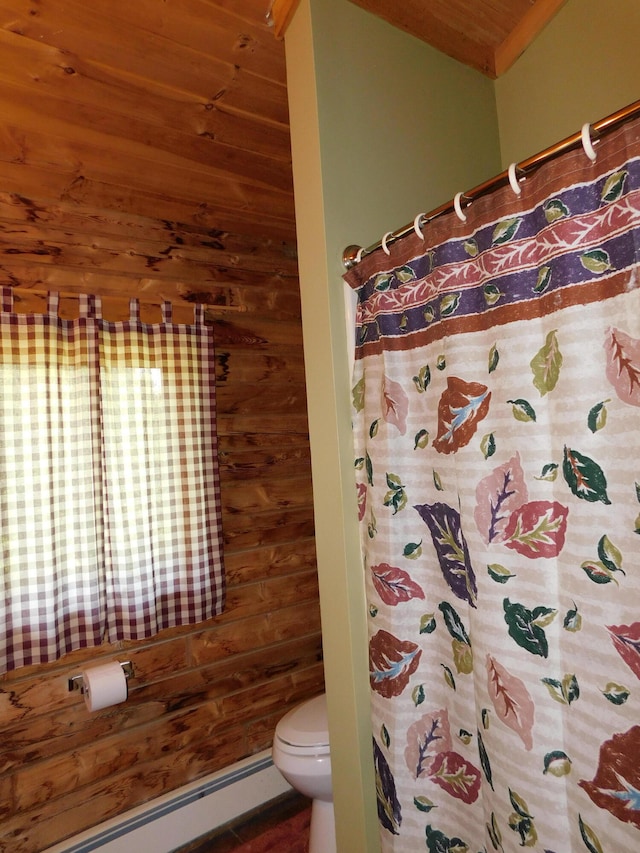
[134, 310]
[53, 303]
[198, 314]
[167, 312]
[90, 306]
[7, 299]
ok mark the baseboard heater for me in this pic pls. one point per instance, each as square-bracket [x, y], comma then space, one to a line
[181, 816]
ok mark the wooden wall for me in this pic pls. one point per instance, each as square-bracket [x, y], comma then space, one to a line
[144, 152]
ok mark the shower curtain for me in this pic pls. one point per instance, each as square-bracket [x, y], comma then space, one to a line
[496, 407]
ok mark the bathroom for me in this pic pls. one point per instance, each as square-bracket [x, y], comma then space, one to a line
[207, 697]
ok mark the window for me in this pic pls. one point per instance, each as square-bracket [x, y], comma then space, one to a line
[109, 491]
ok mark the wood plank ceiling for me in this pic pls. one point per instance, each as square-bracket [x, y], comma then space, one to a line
[172, 110]
[488, 35]
[178, 110]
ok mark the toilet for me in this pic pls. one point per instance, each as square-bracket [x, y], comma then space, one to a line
[301, 754]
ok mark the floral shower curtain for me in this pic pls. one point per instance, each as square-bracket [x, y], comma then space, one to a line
[496, 406]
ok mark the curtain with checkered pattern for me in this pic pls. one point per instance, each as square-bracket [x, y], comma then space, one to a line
[109, 492]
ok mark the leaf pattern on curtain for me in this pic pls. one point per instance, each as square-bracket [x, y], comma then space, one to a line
[497, 435]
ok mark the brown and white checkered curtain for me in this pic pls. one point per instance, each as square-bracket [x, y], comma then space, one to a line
[109, 492]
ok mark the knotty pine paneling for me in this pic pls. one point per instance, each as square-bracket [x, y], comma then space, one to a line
[268, 638]
[116, 107]
[144, 152]
[266, 644]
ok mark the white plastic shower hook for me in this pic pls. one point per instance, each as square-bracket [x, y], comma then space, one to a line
[385, 248]
[416, 224]
[513, 179]
[587, 144]
[458, 207]
[359, 255]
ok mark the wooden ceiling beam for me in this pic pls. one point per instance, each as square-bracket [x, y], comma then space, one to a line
[416, 18]
[466, 31]
[281, 13]
[527, 29]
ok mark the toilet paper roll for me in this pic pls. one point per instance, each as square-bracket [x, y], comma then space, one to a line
[104, 685]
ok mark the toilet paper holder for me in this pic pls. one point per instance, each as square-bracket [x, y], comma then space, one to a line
[76, 682]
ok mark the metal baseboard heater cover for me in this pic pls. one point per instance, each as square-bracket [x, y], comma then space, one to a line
[177, 818]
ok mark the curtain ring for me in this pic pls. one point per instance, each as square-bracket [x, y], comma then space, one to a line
[385, 249]
[513, 179]
[587, 144]
[359, 255]
[458, 209]
[416, 225]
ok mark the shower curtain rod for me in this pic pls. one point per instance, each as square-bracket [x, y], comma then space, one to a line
[353, 254]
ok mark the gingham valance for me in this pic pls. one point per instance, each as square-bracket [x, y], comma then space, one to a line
[109, 489]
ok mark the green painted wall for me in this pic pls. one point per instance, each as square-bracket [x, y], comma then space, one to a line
[383, 127]
[402, 127]
[584, 66]
[344, 630]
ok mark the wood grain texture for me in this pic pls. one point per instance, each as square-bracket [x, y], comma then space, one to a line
[144, 152]
[282, 12]
[487, 35]
[167, 111]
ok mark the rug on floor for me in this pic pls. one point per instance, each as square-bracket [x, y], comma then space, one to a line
[291, 836]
